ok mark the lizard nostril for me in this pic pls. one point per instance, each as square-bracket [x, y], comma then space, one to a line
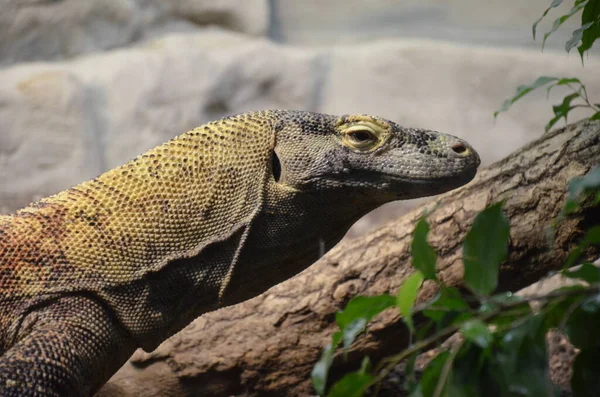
[460, 148]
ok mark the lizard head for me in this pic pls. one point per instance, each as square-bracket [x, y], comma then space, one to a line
[329, 171]
[369, 155]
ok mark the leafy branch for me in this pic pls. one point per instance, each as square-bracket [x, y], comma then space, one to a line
[583, 38]
[503, 346]
[586, 34]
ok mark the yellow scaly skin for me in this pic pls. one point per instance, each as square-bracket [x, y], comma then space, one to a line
[211, 218]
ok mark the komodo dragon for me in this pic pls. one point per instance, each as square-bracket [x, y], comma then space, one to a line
[209, 219]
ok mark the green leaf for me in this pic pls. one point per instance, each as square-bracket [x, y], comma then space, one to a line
[352, 330]
[591, 237]
[524, 90]
[505, 298]
[321, 368]
[469, 378]
[577, 35]
[579, 187]
[477, 332]
[563, 81]
[423, 255]
[505, 316]
[450, 298]
[410, 376]
[561, 110]
[508, 317]
[353, 384]
[365, 365]
[359, 311]
[555, 3]
[573, 255]
[585, 381]
[485, 248]
[579, 4]
[570, 207]
[519, 365]
[595, 116]
[364, 307]
[407, 294]
[589, 181]
[556, 310]
[585, 317]
[590, 14]
[431, 374]
[447, 307]
[587, 272]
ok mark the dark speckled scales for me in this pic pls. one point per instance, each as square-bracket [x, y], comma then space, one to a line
[61, 352]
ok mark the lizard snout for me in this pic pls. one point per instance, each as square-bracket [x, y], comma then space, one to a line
[459, 149]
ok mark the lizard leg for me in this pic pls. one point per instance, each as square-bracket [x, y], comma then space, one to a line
[70, 348]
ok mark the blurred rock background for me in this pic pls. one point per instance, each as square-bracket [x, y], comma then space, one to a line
[87, 85]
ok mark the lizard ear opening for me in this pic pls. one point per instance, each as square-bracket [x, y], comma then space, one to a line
[275, 167]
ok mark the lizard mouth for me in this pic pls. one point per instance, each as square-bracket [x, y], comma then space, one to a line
[427, 186]
[378, 177]
[463, 177]
[404, 187]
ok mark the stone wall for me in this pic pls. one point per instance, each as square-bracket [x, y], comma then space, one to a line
[86, 86]
[35, 30]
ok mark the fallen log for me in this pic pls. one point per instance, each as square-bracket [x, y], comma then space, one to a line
[268, 345]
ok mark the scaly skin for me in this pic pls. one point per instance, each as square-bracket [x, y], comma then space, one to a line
[211, 218]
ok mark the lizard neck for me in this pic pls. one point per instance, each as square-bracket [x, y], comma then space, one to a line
[293, 230]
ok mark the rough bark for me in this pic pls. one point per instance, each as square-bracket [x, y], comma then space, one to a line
[267, 346]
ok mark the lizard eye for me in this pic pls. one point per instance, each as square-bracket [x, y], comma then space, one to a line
[361, 138]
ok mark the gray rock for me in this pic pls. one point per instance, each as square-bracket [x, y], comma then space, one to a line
[247, 16]
[491, 22]
[33, 30]
[63, 123]
[47, 134]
